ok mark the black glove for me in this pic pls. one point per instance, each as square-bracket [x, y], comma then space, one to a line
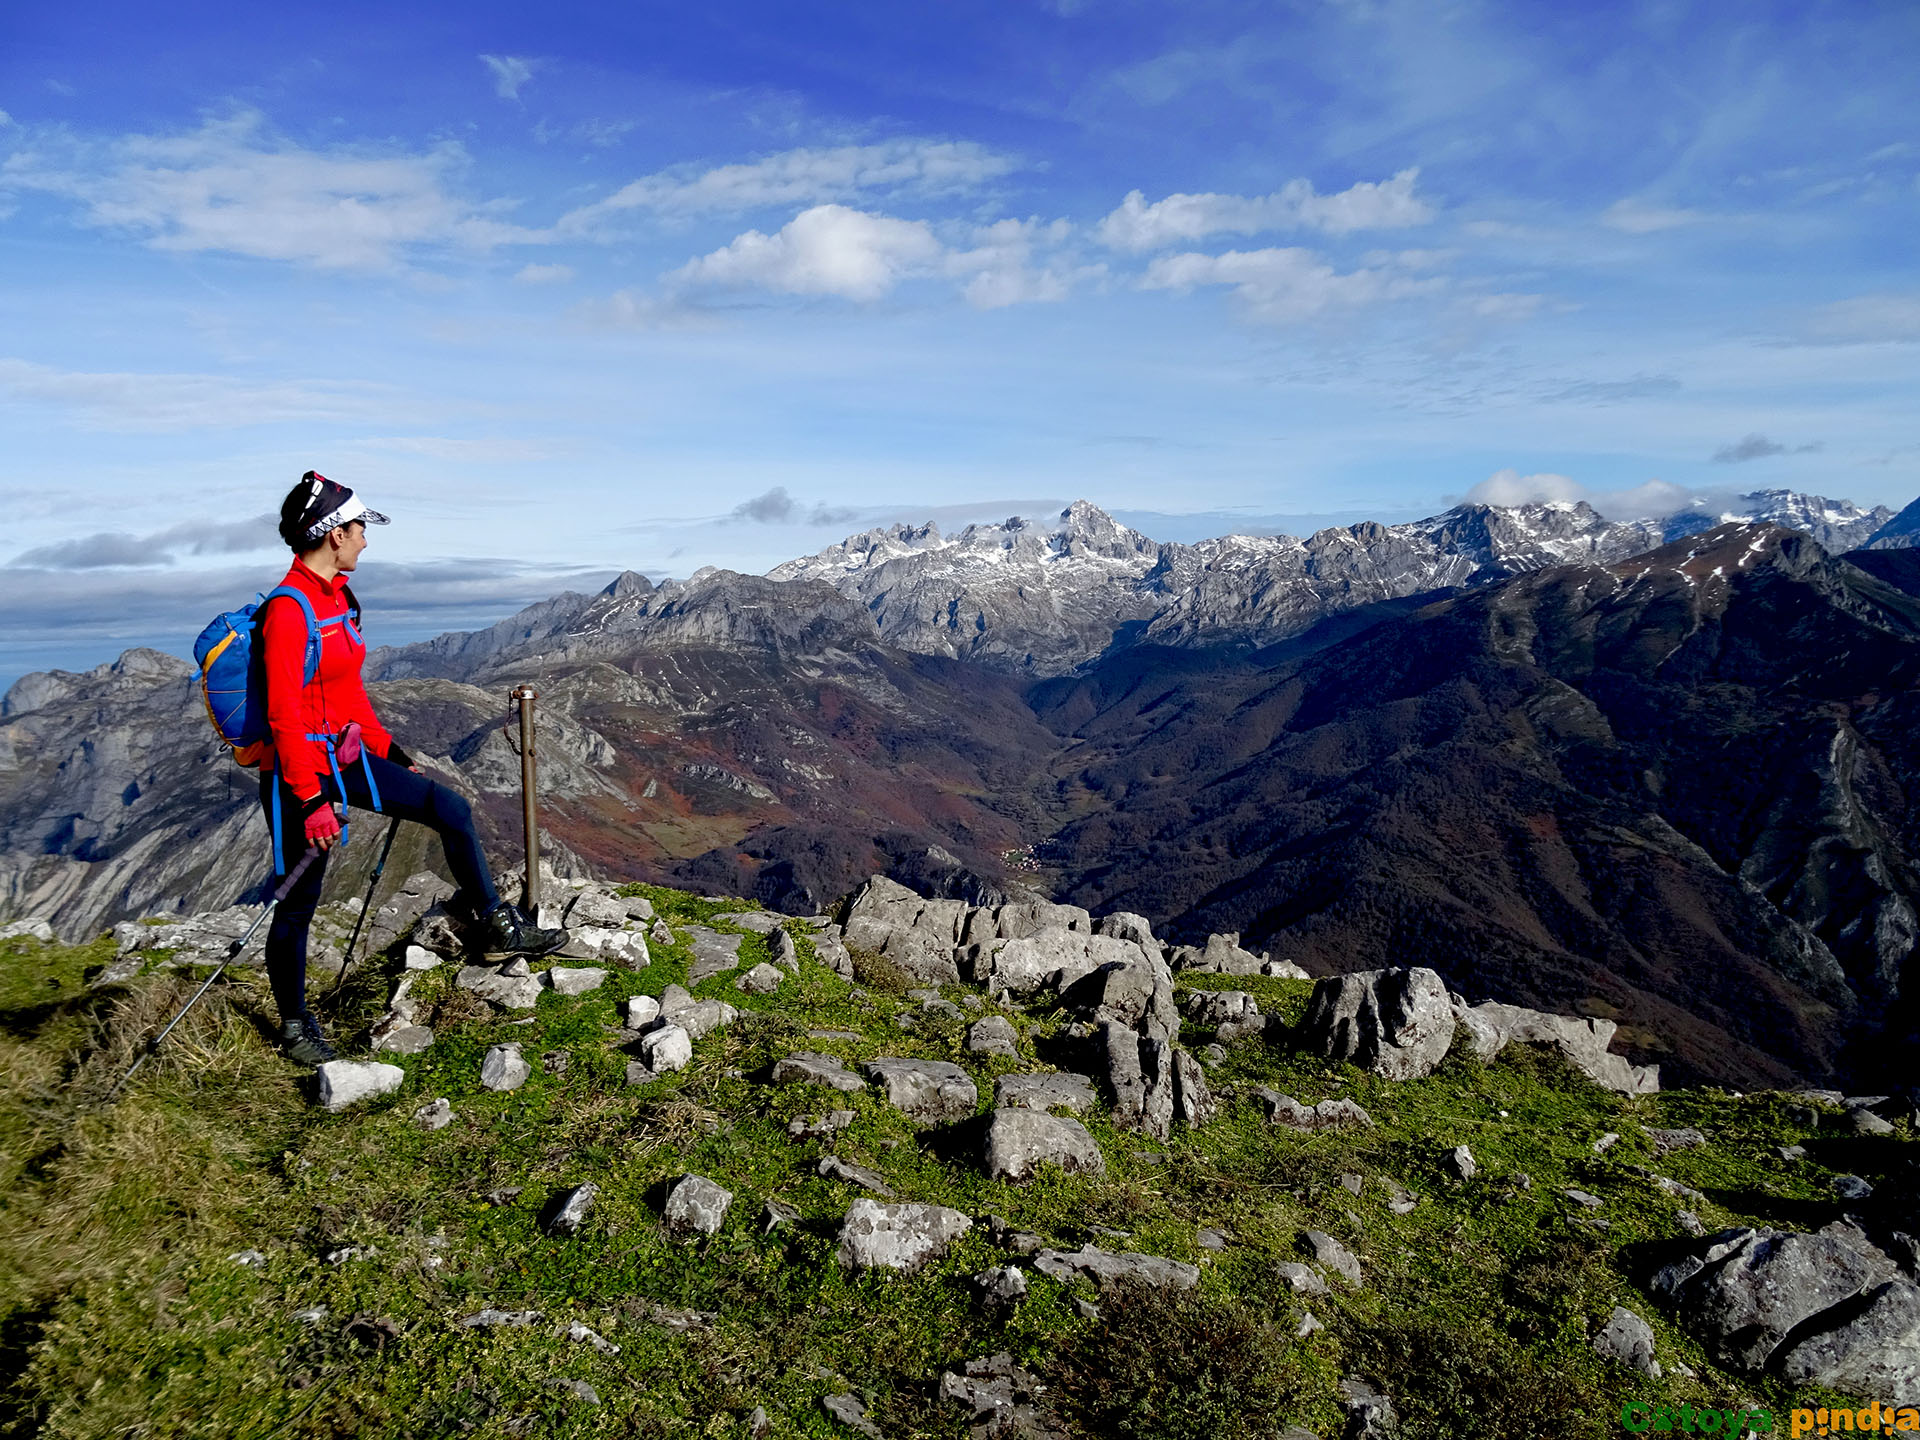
[398, 756]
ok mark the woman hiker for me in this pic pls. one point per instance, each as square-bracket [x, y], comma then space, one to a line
[330, 750]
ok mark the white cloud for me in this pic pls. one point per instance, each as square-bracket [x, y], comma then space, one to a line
[1636, 217]
[1510, 487]
[232, 188]
[544, 274]
[466, 451]
[510, 72]
[1369, 205]
[1867, 319]
[162, 402]
[1289, 284]
[828, 250]
[999, 269]
[5, 118]
[800, 177]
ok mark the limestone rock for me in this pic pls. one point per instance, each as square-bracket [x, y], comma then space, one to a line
[832, 1167]
[929, 1091]
[832, 954]
[1104, 1269]
[1370, 1414]
[1019, 1142]
[994, 1035]
[1125, 925]
[434, 1115]
[848, 1410]
[667, 1048]
[504, 1068]
[347, 1082]
[697, 1206]
[809, 1068]
[1002, 1285]
[1491, 1027]
[1326, 1115]
[639, 907]
[659, 934]
[1874, 1352]
[1153, 1083]
[1666, 1141]
[570, 1209]
[917, 935]
[1060, 1090]
[760, 922]
[520, 992]
[1304, 1279]
[785, 953]
[1628, 1339]
[1136, 991]
[1397, 1023]
[1055, 957]
[627, 948]
[575, 980]
[762, 979]
[400, 1037]
[418, 957]
[1221, 955]
[595, 909]
[642, 1011]
[27, 930]
[897, 1237]
[997, 1396]
[1333, 1255]
[712, 953]
[1460, 1164]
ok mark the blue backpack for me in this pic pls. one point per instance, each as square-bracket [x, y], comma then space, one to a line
[232, 681]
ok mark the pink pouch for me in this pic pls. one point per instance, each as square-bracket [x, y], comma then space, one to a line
[347, 748]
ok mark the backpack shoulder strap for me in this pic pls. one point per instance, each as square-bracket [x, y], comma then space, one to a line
[313, 626]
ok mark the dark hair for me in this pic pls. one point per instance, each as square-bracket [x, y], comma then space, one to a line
[297, 512]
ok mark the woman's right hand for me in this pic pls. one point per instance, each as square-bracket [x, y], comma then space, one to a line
[322, 824]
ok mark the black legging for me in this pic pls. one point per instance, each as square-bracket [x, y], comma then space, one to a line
[402, 793]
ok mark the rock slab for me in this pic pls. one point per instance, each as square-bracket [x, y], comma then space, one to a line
[897, 1237]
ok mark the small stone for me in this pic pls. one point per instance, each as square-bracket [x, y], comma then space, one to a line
[1792, 1152]
[347, 1082]
[640, 1073]
[581, 1335]
[1459, 1163]
[777, 1213]
[1851, 1187]
[402, 1039]
[1583, 1199]
[1211, 1240]
[575, 979]
[638, 906]
[490, 1319]
[994, 1035]
[571, 1208]
[1351, 1183]
[762, 979]
[1020, 1142]
[1399, 1200]
[660, 934]
[668, 1048]
[697, 1206]
[1085, 1309]
[1628, 1339]
[810, 1068]
[1666, 1141]
[1331, 1253]
[1370, 1414]
[503, 1068]
[1213, 1053]
[1865, 1122]
[579, 1389]
[642, 1011]
[1308, 1326]
[929, 1091]
[850, 1413]
[248, 1258]
[897, 1237]
[418, 957]
[505, 1195]
[1001, 1286]
[435, 1115]
[1605, 1143]
[516, 968]
[1689, 1222]
[757, 1422]
[832, 1167]
[1060, 1090]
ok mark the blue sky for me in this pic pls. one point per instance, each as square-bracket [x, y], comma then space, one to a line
[567, 291]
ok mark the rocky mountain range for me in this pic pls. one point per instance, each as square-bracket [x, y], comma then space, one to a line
[1528, 746]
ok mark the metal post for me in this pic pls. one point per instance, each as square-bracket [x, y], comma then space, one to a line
[526, 695]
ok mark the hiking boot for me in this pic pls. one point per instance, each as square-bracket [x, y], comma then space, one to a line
[305, 1043]
[508, 930]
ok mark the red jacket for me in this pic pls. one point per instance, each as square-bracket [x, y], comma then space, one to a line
[336, 695]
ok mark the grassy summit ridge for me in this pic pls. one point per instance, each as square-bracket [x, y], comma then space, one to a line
[122, 1313]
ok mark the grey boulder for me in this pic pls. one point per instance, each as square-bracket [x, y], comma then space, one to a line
[994, 1035]
[1491, 1027]
[1057, 1090]
[570, 1209]
[1020, 1142]
[514, 992]
[696, 1206]
[897, 1237]
[347, 1082]
[762, 979]
[1628, 1339]
[1397, 1023]
[1103, 1268]
[929, 1091]
[575, 979]
[808, 1068]
[504, 1068]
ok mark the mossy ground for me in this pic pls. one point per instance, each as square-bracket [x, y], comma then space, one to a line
[122, 1314]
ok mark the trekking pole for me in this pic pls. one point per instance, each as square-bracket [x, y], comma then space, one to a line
[233, 950]
[346, 957]
[526, 695]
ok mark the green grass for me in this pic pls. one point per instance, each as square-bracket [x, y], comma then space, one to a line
[121, 1313]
